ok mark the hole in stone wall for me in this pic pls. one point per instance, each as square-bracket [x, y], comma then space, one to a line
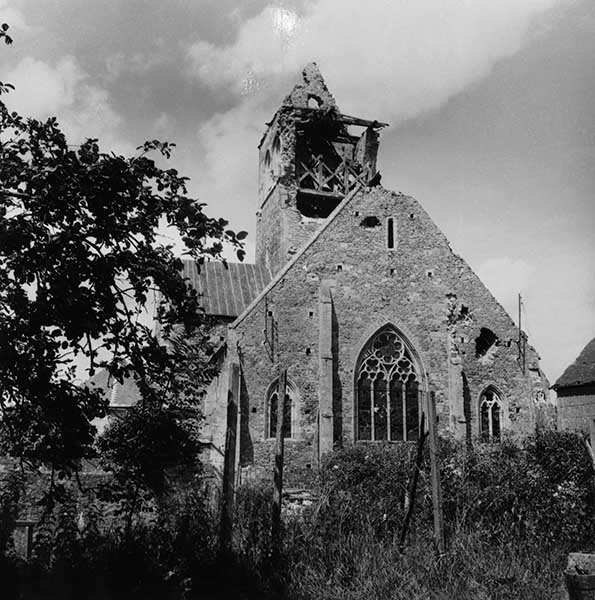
[356, 213]
[254, 409]
[314, 101]
[308, 351]
[430, 273]
[316, 206]
[339, 268]
[411, 216]
[308, 466]
[311, 314]
[392, 272]
[484, 341]
[369, 222]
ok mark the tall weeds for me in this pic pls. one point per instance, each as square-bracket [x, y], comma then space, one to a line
[512, 514]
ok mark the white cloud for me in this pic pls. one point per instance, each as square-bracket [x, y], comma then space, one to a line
[13, 16]
[139, 63]
[164, 123]
[42, 90]
[62, 90]
[390, 59]
[386, 59]
[228, 175]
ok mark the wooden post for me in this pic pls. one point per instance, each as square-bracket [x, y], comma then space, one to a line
[413, 487]
[325, 386]
[229, 461]
[589, 443]
[278, 475]
[435, 475]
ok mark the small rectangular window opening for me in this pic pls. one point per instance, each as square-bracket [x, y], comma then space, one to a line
[390, 233]
[339, 268]
[392, 272]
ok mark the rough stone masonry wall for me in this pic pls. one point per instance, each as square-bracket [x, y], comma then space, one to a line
[280, 228]
[414, 287]
[576, 408]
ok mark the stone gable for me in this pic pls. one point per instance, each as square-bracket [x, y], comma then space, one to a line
[420, 287]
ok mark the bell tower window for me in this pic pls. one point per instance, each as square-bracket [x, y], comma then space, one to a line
[387, 390]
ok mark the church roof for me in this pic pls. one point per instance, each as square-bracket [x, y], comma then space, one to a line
[581, 371]
[226, 289]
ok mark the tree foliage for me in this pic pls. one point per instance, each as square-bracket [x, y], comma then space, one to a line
[5, 87]
[80, 257]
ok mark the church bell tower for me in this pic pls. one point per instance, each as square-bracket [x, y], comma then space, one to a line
[310, 157]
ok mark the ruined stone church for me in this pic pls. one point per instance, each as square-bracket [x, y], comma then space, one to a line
[358, 295]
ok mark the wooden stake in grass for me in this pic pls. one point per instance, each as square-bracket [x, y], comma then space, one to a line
[435, 476]
[278, 475]
[413, 487]
[229, 462]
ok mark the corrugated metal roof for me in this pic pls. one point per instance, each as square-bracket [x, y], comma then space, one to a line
[582, 370]
[226, 289]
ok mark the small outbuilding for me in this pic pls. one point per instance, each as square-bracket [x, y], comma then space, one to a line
[576, 392]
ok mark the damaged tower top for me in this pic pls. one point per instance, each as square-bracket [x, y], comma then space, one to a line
[311, 92]
[310, 158]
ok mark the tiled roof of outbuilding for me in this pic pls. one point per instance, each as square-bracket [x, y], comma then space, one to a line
[226, 289]
[581, 371]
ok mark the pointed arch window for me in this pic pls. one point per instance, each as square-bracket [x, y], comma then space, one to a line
[272, 407]
[387, 390]
[490, 415]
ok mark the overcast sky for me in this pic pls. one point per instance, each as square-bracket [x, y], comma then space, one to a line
[490, 102]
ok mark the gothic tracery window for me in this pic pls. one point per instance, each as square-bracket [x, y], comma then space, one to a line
[387, 399]
[490, 415]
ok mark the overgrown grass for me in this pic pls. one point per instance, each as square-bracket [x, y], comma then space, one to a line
[512, 514]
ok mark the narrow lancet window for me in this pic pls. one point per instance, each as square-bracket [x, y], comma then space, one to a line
[490, 409]
[390, 233]
[387, 394]
[272, 407]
